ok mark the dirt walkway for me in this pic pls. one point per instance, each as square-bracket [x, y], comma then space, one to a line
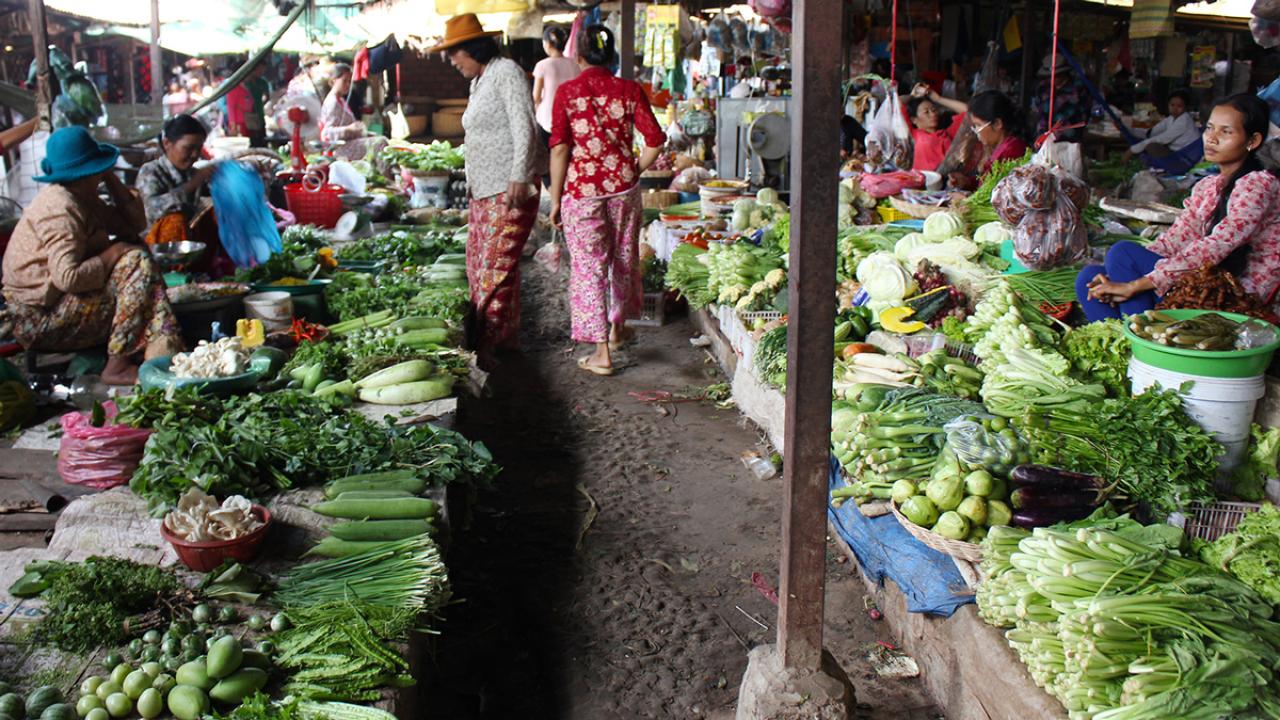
[608, 575]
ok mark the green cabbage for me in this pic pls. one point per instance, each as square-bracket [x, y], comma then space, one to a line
[1249, 480]
[942, 225]
[993, 233]
[1251, 553]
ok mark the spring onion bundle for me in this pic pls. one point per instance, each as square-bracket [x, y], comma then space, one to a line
[405, 574]
[1054, 287]
[1112, 621]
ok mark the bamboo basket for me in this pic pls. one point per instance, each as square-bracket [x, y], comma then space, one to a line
[955, 548]
[659, 199]
[913, 209]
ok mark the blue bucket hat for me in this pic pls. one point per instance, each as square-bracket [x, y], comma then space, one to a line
[71, 153]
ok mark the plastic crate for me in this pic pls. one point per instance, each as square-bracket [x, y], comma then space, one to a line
[653, 311]
[1210, 522]
[890, 214]
[750, 317]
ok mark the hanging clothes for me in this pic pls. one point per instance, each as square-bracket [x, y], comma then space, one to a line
[360, 65]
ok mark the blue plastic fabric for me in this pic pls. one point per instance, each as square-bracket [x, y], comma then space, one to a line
[245, 226]
[928, 578]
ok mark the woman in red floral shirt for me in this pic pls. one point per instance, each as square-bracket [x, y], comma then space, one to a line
[1231, 221]
[595, 193]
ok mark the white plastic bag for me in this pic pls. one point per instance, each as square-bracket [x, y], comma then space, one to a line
[1064, 155]
[549, 255]
[889, 130]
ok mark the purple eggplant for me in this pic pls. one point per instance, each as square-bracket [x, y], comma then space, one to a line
[1050, 498]
[1043, 476]
[1034, 518]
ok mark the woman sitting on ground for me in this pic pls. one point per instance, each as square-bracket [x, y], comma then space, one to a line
[67, 285]
[1171, 134]
[1231, 221]
[997, 123]
[930, 137]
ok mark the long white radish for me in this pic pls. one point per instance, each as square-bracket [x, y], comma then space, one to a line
[882, 362]
[405, 372]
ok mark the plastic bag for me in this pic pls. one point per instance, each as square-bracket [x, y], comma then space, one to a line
[99, 457]
[1254, 334]
[889, 131]
[245, 226]
[884, 185]
[988, 443]
[1265, 32]
[1062, 155]
[1043, 204]
[549, 255]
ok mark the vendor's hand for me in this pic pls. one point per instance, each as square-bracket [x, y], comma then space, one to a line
[202, 175]
[1103, 289]
[921, 90]
[115, 251]
[517, 194]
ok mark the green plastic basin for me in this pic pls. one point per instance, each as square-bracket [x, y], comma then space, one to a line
[1206, 363]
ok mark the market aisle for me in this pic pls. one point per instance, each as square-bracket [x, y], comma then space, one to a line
[636, 616]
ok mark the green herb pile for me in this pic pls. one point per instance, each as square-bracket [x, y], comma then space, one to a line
[353, 294]
[1251, 553]
[1099, 352]
[263, 443]
[439, 155]
[148, 408]
[771, 357]
[1146, 444]
[977, 208]
[297, 258]
[1053, 287]
[90, 604]
[345, 650]
[416, 246]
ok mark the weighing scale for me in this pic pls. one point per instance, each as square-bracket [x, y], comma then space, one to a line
[173, 259]
[769, 151]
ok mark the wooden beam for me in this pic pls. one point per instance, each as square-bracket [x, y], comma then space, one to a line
[40, 44]
[815, 164]
[157, 61]
[627, 51]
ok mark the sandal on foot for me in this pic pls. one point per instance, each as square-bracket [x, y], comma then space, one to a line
[584, 363]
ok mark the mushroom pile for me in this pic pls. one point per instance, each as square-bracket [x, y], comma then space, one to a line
[199, 518]
[223, 358]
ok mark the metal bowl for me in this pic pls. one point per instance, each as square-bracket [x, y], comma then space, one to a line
[172, 254]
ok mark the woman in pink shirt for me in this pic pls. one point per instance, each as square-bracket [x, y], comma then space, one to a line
[549, 74]
[929, 136]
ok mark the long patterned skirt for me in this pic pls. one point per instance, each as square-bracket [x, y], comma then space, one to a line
[131, 315]
[495, 243]
[603, 235]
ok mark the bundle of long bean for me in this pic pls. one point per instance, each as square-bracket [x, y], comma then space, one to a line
[340, 650]
[406, 573]
[1055, 287]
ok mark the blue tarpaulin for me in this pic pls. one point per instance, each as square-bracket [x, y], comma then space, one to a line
[927, 577]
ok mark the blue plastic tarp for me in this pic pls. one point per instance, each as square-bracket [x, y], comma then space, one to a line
[928, 578]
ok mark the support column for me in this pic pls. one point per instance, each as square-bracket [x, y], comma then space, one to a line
[815, 164]
[40, 42]
[157, 72]
[627, 48]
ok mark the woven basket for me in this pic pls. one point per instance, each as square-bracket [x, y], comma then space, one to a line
[955, 548]
[912, 209]
[659, 199]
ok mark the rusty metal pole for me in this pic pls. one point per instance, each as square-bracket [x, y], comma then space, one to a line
[157, 72]
[627, 53]
[815, 165]
[40, 42]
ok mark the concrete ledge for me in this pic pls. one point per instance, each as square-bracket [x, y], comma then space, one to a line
[969, 669]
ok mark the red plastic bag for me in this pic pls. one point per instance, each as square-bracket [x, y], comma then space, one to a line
[891, 183]
[99, 457]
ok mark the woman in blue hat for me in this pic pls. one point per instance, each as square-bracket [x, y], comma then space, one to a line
[71, 281]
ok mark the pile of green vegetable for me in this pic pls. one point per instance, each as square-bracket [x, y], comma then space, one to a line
[439, 155]
[771, 357]
[406, 245]
[1251, 553]
[688, 274]
[1099, 353]
[1249, 479]
[1116, 624]
[263, 443]
[344, 649]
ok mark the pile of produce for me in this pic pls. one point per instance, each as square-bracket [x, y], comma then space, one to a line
[353, 295]
[1251, 553]
[303, 255]
[259, 444]
[199, 517]
[437, 156]
[1212, 287]
[1099, 353]
[1111, 620]
[1207, 331]
[1046, 287]
[771, 357]
[222, 358]
[1249, 479]
[407, 245]
[344, 650]
[733, 268]
[376, 508]
[954, 501]
[1146, 445]
[977, 208]
[406, 574]
[855, 244]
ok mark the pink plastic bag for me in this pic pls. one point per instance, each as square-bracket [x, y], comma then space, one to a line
[891, 183]
[549, 255]
[99, 457]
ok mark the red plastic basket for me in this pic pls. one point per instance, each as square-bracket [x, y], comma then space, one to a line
[321, 208]
[205, 556]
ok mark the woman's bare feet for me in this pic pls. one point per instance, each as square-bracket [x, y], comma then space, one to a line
[120, 370]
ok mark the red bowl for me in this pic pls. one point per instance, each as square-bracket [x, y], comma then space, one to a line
[205, 556]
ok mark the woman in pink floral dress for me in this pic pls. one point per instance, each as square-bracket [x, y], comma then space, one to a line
[1231, 221]
[595, 194]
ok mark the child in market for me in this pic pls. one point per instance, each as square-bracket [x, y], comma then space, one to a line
[1231, 221]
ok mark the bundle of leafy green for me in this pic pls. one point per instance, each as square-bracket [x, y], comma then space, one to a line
[1099, 352]
[92, 603]
[1249, 480]
[1251, 553]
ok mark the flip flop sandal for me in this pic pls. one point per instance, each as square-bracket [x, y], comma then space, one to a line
[593, 369]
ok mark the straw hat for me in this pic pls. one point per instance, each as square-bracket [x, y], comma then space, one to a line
[462, 28]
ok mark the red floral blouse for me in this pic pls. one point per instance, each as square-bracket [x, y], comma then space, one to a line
[1253, 217]
[598, 115]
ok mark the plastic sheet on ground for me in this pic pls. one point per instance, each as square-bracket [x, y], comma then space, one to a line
[929, 579]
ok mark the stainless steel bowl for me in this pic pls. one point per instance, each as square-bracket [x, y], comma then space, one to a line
[175, 254]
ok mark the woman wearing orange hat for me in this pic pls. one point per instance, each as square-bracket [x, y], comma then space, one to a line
[504, 161]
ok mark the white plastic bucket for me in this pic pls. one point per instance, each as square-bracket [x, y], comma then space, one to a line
[274, 309]
[430, 191]
[1222, 406]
